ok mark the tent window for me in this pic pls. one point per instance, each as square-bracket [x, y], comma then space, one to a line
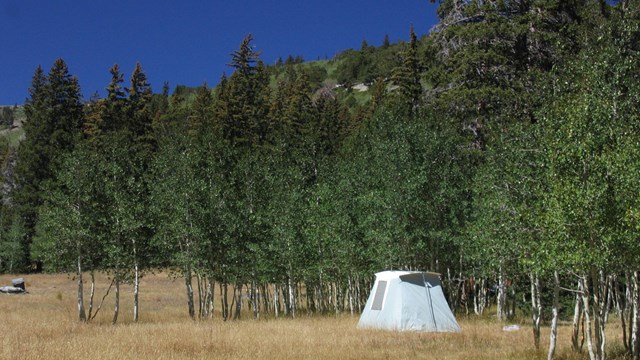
[379, 297]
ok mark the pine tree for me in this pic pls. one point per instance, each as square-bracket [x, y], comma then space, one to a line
[110, 115]
[407, 76]
[378, 94]
[138, 115]
[52, 128]
[245, 59]
[201, 118]
[65, 103]
[364, 46]
[246, 98]
[93, 118]
[386, 43]
[115, 92]
[160, 106]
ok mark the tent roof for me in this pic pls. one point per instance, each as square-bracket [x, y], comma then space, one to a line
[394, 274]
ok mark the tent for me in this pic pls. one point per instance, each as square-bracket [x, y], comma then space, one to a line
[408, 300]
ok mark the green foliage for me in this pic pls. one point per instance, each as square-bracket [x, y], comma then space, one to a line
[69, 229]
[407, 76]
[589, 152]
[52, 126]
[11, 247]
[507, 231]
[246, 98]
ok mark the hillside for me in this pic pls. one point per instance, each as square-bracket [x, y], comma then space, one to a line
[348, 76]
[11, 124]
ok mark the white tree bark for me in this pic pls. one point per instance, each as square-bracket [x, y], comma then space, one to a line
[136, 290]
[254, 300]
[501, 306]
[116, 307]
[350, 295]
[91, 295]
[224, 301]
[81, 313]
[210, 294]
[479, 296]
[577, 320]
[237, 294]
[600, 310]
[554, 319]
[292, 298]
[276, 301]
[189, 288]
[587, 319]
[635, 328]
[536, 308]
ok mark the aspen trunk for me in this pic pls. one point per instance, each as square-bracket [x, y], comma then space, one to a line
[512, 311]
[484, 295]
[81, 313]
[210, 294]
[276, 301]
[200, 287]
[475, 295]
[464, 298]
[224, 292]
[91, 295]
[630, 310]
[577, 320]
[536, 308]
[310, 303]
[587, 318]
[554, 319]
[116, 307]
[350, 295]
[622, 310]
[501, 306]
[337, 293]
[635, 328]
[611, 301]
[237, 292]
[136, 291]
[480, 297]
[266, 298]
[254, 300]
[359, 286]
[599, 311]
[189, 288]
[292, 298]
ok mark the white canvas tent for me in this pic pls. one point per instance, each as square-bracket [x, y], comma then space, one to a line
[408, 300]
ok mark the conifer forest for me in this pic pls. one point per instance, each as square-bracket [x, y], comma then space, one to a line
[501, 150]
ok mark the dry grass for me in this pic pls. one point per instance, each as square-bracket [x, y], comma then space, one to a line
[43, 325]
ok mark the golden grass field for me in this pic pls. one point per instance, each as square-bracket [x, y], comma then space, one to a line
[42, 325]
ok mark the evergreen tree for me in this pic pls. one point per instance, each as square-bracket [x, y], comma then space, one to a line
[246, 98]
[201, 118]
[53, 126]
[138, 115]
[159, 107]
[407, 76]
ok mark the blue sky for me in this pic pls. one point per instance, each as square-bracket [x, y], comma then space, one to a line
[185, 42]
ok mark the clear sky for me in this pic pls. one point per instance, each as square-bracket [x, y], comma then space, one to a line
[185, 42]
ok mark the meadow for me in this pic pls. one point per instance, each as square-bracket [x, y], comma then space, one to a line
[42, 325]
